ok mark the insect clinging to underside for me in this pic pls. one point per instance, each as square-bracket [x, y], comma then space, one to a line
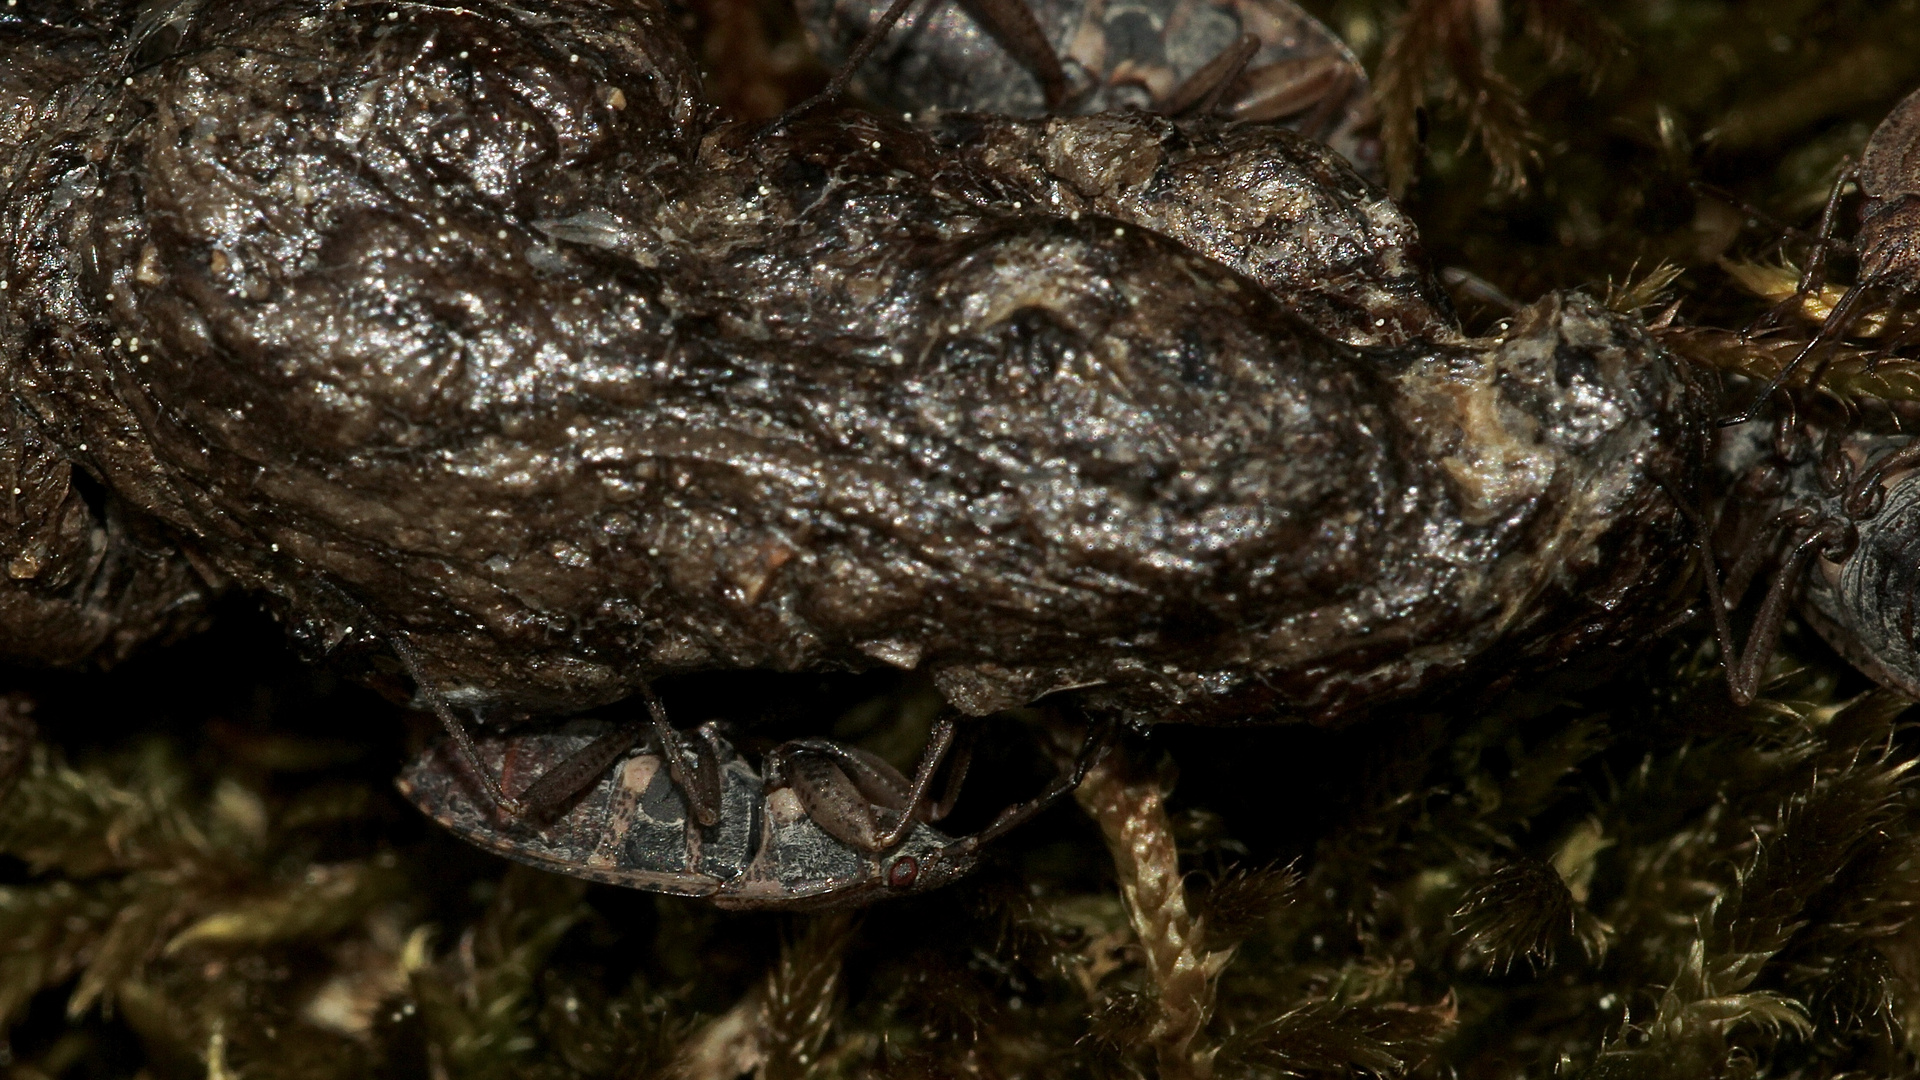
[825, 826]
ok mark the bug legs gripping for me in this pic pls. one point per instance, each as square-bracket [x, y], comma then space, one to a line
[863, 802]
[859, 799]
[691, 762]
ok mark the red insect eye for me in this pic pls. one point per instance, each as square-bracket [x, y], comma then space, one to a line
[903, 871]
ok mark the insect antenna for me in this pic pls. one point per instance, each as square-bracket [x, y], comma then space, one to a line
[1013, 25]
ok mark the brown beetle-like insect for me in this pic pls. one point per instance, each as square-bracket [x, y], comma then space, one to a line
[828, 826]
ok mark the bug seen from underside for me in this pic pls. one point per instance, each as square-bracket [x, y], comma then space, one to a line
[467, 336]
[825, 826]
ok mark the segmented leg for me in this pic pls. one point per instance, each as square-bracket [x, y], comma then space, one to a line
[856, 797]
[837, 85]
[1012, 24]
[1813, 277]
[692, 765]
[1200, 94]
[457, 731]
[1745, 666]
[1839, 321]
[1099, 740]
[1895, 339]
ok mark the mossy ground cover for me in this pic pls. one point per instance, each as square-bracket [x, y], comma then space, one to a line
[1605, 871]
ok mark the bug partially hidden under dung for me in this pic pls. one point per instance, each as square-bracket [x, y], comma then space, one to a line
[633, 827]
[826, 826]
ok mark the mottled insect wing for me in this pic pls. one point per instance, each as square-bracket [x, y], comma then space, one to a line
[1121, 55]
[631, 828]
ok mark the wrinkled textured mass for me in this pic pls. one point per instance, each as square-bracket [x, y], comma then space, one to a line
[473, 325]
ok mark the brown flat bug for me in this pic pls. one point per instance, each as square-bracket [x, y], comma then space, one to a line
[467, 335]
[1887, 244]
[829, 826]
[1246, 59]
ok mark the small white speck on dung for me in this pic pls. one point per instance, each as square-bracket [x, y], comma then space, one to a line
[463, 54]
[274, 547]
[875, 144]
[576, 301]
[129, 80]
[502, 234]
[1118, 231]
[1379, 322]
[440, 219]
[116, 343]
[16, 491]
[133, 343]
[83, 448]
[953, 328]
[144, 358]
[1073, 215]
[393, 16]
[573, 58]
[5, 285]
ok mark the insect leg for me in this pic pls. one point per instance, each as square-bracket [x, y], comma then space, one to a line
[842, 793]
[837, 85]
[1867, 494]
[1902, 292]
[1744, 667]
[1013, 25]
[457, 731]
[936, 749]
[958, 760]
[690, 763]
[1814, 277]
[1200, 94]
[547, 795]
[1098, 741]
[1747, 209]
[1836, 327]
